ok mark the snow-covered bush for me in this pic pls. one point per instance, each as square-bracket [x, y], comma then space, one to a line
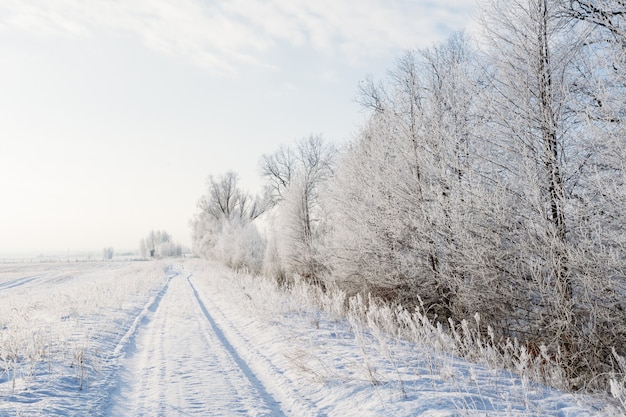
[240, 246]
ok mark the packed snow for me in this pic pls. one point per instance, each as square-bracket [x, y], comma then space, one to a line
[191, 338]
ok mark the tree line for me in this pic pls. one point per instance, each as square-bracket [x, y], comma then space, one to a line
[489, 178]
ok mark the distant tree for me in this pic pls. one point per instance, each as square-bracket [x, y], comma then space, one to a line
[159, 244]
[107, 253]
[143, 248]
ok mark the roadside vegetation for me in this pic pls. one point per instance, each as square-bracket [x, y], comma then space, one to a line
[481, 203]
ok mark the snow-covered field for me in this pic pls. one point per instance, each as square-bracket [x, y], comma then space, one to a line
[190, 338]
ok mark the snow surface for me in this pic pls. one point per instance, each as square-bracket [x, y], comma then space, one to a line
[190, 338]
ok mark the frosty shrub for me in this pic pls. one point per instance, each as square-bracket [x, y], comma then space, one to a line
[240, 246]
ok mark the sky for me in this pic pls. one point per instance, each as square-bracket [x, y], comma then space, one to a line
[114, 113]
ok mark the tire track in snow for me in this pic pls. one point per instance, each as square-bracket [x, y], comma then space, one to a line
[55, 274]
[17, 282]
[126, 346]
[245, 368]
[252, 360]
[176, 364]
[142, 317]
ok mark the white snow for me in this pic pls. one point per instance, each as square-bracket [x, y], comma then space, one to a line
[190, 338]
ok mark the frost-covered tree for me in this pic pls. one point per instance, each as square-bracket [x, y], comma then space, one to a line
[547, 180]
[400, 186]
[226, 200]
[528, 128]
[278, 169]
[223, 227]
[295, 177]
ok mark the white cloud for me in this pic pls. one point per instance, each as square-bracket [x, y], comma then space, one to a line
[222, 35]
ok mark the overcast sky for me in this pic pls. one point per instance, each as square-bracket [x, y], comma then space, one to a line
[114, 113]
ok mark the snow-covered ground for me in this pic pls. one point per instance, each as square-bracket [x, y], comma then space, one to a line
[190, 338]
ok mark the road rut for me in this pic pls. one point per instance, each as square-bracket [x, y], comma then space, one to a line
[180, 364]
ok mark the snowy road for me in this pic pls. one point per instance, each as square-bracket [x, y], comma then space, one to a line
[181, 364]
[192, 338]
